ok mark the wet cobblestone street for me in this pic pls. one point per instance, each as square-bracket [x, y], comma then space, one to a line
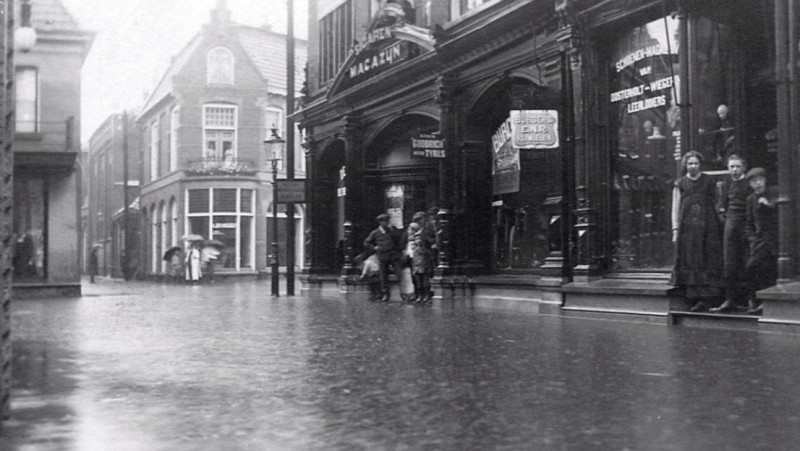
[143, 366]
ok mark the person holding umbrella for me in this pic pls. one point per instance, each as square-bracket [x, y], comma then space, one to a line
[173, 256]
[193, 271]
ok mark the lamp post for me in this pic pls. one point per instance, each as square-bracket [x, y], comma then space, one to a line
[274, 148]
[25, 35]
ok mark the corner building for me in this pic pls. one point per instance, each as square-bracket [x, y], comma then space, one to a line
[204, 167]
[571, 214]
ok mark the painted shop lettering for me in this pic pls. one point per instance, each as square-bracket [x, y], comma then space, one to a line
[384, 57]
[372, 37]
[646, 104]
[640, 54]
[502, 135]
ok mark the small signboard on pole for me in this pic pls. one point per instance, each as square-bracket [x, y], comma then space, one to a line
[290, 191]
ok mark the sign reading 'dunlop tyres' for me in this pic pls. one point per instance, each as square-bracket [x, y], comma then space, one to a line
[534, 129]
[427, 145]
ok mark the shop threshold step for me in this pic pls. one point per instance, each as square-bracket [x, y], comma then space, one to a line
[716, 316]
[715, 320]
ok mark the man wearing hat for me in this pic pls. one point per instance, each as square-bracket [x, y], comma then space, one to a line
[383, 241]
[762, 233]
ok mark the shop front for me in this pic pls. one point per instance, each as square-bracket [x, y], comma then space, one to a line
[664, 84]
[581, 223]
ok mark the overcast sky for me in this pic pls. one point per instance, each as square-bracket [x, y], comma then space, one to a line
[136, 39]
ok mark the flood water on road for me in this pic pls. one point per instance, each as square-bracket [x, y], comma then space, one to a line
[222, 367]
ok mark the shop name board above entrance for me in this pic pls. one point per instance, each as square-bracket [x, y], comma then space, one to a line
[428, 145]
[384, 57]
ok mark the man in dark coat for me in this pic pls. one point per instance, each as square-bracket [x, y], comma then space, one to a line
[383, 241]
[762, 233]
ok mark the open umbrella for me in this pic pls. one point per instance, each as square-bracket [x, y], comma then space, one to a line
[191, 237]
[170, 252]
[214, 243]
[208, 253]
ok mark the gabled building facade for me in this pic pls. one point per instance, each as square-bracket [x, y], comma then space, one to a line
[112, 172]
[202, 132]
[558, 128]
[47, 174]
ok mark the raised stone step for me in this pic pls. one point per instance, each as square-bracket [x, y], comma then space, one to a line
[715, 320]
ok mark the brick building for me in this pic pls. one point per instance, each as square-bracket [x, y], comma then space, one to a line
[113, 157]
[203, 127]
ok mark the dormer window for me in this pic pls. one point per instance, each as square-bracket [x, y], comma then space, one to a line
[220, 66]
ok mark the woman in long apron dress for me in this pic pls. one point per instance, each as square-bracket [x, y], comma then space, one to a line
[698, 269]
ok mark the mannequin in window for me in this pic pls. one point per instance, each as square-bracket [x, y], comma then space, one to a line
[227, 161]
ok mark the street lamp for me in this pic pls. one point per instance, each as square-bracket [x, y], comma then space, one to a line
[273, 145]
[25, 35]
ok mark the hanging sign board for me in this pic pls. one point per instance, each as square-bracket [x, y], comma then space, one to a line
[427, 145]
[290, 191]
[534, 129]
[506, 165]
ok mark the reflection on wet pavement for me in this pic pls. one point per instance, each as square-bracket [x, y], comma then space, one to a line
[163, 367]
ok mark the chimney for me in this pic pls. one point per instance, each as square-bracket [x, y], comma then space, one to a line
[221, 14]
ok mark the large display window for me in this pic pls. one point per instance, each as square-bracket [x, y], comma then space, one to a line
[30, 219]
[645, 98]
[226, 215]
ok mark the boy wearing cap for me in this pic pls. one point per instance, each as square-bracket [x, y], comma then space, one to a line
[383, 242]
[762, 233]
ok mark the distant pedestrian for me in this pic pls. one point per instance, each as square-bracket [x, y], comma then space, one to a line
[762, 233]
[94, 266]
[176, 267]
[193, 271]
[407, 282]
[383, 241]
[696, 232]
[731, 207]
[424, 240]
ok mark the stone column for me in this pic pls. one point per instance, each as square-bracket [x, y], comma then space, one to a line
[311, 231]
[448, 182]
[354, 189]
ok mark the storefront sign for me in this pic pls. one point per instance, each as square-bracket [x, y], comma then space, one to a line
[505, 170]
[390, 41]
[372, 61]
[427, 145]
[224, 225]
[291, 191]
[534, 129]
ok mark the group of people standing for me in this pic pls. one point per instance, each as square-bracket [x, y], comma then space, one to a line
[408, 253]
[733, 222]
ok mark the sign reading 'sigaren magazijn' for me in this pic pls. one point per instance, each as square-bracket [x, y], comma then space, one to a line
[389, 41]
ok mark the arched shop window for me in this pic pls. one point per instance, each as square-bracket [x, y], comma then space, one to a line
[645, 102]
